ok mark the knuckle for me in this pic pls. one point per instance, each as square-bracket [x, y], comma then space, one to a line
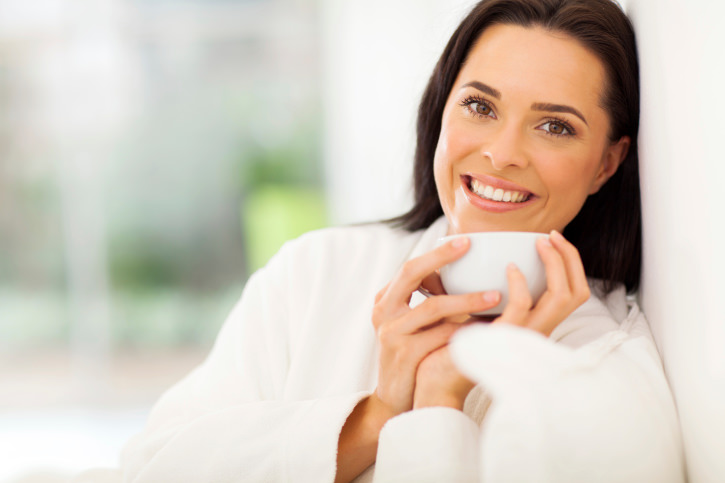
[525, 297]
[384, 335]
[522, 301]
[378, 315]
[432, 306]
[408, 269]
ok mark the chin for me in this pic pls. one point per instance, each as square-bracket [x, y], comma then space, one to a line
[482, 226]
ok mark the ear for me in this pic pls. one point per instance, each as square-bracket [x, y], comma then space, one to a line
[613, 157]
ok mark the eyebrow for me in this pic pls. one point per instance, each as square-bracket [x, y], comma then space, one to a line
[543, 106]
[536, 106]
[483, 88]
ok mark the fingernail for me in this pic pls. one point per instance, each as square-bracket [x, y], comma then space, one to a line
[459, 242]
[491, 297]
[511, 267]
[556, 234]
[545, 240]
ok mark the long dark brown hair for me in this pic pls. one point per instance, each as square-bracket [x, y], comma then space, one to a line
[607, 230]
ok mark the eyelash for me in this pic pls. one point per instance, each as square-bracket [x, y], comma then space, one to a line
[468, 101]
[476, 100]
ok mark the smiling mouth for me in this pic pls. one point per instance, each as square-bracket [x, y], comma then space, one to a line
[490, 193]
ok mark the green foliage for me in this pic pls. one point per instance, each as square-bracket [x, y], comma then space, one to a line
[273, 214]
[141, 264]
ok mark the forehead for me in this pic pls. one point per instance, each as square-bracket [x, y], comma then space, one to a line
[534, 64]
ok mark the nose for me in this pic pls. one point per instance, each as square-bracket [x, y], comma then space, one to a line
[505, 148]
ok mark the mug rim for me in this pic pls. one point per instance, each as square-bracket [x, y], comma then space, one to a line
[446, 238]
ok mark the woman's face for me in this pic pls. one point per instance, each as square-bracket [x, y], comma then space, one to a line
[523, 138]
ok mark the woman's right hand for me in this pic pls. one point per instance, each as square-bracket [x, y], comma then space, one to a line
[406, 336]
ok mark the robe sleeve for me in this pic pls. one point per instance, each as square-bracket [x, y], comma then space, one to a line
[229, 420]
[428, 445]
[600, 413]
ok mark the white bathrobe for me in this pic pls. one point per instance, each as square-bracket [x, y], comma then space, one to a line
[298, 352]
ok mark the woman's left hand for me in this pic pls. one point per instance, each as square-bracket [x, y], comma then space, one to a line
[438, 381]
[566, 288]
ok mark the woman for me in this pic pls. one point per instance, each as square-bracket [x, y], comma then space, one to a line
[528, 123]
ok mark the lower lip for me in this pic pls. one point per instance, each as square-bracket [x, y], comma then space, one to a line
[490, 205]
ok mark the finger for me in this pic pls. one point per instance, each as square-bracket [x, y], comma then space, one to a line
[380, 294]
[406, 351]
[432, 283]
[442, 307]
[576, 274]
[425, 343]
[557, 297]
[519, 303]
[558, 285]
[555, 305]
[557, 281]
[412, 273]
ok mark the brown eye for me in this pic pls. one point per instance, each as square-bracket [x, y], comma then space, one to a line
[477, 106]
[481, 108]
[556, 128]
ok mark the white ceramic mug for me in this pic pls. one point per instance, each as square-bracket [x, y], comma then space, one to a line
[483, 267]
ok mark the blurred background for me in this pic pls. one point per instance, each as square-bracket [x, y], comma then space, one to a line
[153, 154]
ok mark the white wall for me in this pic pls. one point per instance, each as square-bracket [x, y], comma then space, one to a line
[683, 169]
[377, 62]
[378, 57]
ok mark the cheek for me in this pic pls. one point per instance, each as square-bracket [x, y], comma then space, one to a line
[442, 176]
[569, 179]
[451, 149]
[441, 164]
[455, 143]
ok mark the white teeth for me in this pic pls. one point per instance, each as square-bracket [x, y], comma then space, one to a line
[497, 194]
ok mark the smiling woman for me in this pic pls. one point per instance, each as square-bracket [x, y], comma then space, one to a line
[512, 138]
[561, 56]
[333, 367]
